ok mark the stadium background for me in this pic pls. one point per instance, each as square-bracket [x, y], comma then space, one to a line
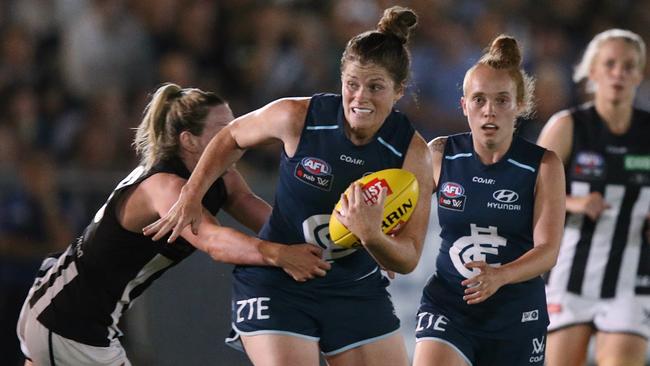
[74, 78]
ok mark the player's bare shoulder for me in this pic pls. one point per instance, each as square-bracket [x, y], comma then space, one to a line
[437, 145]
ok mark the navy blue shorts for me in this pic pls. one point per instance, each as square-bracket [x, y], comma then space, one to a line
[518, 350]
[339, 317]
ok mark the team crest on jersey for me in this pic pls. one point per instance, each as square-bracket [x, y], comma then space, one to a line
[452, 196]
[315, 172]
[476, 247]
[589, 165]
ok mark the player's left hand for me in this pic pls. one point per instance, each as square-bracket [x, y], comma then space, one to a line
[362, 218]
[483, 285]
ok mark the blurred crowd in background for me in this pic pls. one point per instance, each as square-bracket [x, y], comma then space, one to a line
[75, 76]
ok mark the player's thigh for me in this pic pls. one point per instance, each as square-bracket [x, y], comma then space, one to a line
[280, 350]
[430, 352]
[568, 346]
[389, 351]
[620, 349]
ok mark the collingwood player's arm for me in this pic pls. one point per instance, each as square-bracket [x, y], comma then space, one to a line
[224, 244]
[557, 136]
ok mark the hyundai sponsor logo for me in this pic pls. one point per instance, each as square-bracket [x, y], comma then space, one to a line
[505, 196]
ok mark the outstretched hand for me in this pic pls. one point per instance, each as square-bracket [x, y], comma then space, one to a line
[186, 211]
[485, 284]
[302, 261]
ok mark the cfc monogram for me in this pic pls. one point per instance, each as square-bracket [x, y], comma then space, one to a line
[468, 248]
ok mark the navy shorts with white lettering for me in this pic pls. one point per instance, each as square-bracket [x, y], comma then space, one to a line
[339, 317]
[528, 350]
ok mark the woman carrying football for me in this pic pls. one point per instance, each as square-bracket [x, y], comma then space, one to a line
[347, 315]
[501, 210]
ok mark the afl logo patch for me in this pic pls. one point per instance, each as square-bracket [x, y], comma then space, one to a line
[452, 196]
[315, 172]
[589, 165]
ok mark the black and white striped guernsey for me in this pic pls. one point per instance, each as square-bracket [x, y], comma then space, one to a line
[611, 256]
[82, 293]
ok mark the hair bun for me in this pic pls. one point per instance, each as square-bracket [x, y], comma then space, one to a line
[398, 21]
[504, 52]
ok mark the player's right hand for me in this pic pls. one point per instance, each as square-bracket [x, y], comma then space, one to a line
[593, 205]
[186, 211]
[302, 261]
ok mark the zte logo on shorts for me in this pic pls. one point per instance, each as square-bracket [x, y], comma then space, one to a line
[538, 350]
[253, 308]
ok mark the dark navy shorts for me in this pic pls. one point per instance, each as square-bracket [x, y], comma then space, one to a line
[338, 317]
[519, 350]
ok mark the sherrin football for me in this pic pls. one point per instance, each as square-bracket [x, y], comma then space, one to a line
[402, 196]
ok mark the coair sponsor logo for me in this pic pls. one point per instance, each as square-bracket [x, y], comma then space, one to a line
[351, 160]
[483, 180]
[452, 196]
[506, 198]
[538, 350]
[315, 172]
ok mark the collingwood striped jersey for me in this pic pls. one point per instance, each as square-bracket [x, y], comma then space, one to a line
[82, 293]
[610, 256]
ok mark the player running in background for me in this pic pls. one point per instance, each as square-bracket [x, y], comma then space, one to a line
[601, 283]
[501, 210]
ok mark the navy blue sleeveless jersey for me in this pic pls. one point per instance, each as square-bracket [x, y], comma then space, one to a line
[486, 214]
[82, 293]
[311, 182]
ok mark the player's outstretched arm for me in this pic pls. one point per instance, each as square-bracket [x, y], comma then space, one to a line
[224, 244]
[278, 121]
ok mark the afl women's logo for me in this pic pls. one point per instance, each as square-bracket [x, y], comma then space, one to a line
[452, 190]
[316, 166]
[505, 196]
[315, 172]
[452, 196]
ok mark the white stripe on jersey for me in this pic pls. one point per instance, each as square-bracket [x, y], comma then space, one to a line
[601, 242]
[559, 278]
[155, 265]
[627, 278]
[67, 275]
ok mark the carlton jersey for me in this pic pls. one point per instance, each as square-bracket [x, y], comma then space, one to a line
[312, 181]
[82, 294]
[486, 214]
[608, 257]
